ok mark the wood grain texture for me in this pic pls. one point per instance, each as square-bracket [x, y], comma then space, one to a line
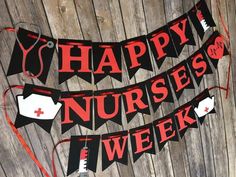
[208, 151]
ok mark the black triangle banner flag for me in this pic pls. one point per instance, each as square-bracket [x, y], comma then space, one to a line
[180, 78]
[199, 65]
[33, 52]
[142, 141]
[181, 33]
[107, 61]
[215, 48]
[114, 148]
[77, 108]
[161, 45]
[38, 105]
[83, 153]
[203, 105]
[159, 90]
[107, 106]
[136, 55]
[201, 18]
[75, 58]
[165, 130]
[135, 100]
[185, 118]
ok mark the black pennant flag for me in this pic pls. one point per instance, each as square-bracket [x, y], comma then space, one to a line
[185, 118]
[199, 65]
[77, 108]
[107, 106]
[142, 141]
[159, 90]
[107, 61]
[37, 105]
[135, 100]
[215, 48]
[114, 148]
[37, 60]
[79, 159]
[203, 104]
[136, 55]
[181, 33]
[75, 58]
[180, 78]
[201, 18]
[165, 130]
[161, 44]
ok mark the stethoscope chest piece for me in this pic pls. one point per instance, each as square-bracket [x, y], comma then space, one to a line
[50, 44]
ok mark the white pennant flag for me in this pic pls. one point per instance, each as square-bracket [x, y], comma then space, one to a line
[205, 106]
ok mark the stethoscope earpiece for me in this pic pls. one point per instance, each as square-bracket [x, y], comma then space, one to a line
[18, 25]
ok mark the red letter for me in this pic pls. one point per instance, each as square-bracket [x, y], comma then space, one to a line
[180, 80]
[164, 130]
[159, 90]
[108, 54]
[101, 106]
[70, 103]
[198, 64]
[157, 42]
[116, 148]
[130, 102]
[179, 31]
[67, 58]
[184, 118]
[139, 141]
[133, 55]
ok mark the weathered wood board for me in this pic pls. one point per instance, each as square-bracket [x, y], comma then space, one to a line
[209, 151]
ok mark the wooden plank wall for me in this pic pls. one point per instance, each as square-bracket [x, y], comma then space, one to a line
[209, 151]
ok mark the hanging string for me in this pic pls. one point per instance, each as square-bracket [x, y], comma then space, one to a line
[9, 29]
[227, 40]
[17, 133]
[53, 155]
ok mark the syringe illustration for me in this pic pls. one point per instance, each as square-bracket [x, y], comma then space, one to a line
[83, 162]
[202, 20]
[83, 171]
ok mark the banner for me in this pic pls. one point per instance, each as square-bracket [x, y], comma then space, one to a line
[37, 105]
[201, 18]
[215, 48]
[107, 106]
[75, 58]
[114, 148]
[159, 90]
[107, 61]
[94, 61]
[135, 100]
[142, 139]
[33, 52]
[199, 65]
[78, 106]
[83, 153]
[181, 33]
[165, 130]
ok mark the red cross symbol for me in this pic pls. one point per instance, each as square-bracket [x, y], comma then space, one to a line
[206, 109]
[38, 112]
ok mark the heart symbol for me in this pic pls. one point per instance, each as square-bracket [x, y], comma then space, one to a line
[216, 50]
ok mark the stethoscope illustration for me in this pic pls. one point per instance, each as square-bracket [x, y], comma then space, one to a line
[25, 51]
